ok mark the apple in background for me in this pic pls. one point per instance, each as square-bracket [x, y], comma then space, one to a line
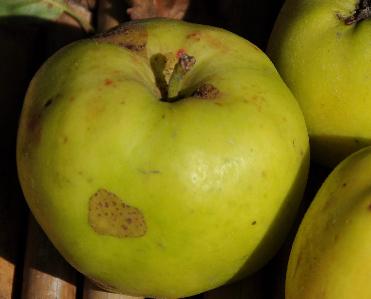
[322, 50]
[162, 158]
[330, 257]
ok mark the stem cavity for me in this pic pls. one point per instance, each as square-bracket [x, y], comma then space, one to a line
[362, 12]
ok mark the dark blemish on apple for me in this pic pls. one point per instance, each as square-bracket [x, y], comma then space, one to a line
[369, 207]
[34, 128]
[206, 91]
[127, 35]
[344, 185]
[108, 215]
[65, 139]
[258, 101]
[253, 223]
[357, 141]
[48, 102]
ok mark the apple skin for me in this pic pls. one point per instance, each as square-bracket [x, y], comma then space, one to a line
[327, 66]
[330, 257]
[211, 184]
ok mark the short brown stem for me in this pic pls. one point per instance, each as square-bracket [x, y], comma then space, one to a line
[181, 68]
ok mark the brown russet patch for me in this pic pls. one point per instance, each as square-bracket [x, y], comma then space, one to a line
[206, 91]
[131, 36]
[109, 215]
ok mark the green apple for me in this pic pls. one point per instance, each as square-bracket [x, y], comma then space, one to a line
[330, 257]
[162, 158]
[322, 50]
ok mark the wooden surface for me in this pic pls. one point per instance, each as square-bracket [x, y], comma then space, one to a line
[30, 267]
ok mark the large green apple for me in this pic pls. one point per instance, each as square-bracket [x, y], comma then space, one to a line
[331, 255]
[322, 50]
[162, 158]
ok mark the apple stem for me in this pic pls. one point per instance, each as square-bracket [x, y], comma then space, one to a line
[181, 68]
[362, 12]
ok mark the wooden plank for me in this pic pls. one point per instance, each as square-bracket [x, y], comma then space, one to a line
[91, 291]
[46, 274]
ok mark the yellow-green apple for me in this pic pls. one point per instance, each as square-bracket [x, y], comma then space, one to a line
[330, 258]
[322, 50]
[162, 158]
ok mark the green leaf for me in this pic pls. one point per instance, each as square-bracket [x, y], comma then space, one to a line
[42, 9]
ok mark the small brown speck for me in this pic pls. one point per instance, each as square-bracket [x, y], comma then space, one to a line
[196, 36]
[108, 82]
[48, 102]
[253, 223]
